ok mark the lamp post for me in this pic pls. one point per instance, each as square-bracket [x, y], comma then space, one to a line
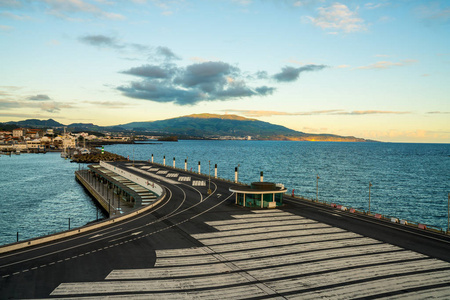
[209, 178]
[370, 185]
[317, 188]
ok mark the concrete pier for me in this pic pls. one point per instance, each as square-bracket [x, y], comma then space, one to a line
[196, 244]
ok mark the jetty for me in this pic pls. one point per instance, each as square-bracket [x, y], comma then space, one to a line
[181, 235]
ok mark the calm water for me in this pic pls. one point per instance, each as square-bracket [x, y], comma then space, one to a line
[410, 181]
[38, 195]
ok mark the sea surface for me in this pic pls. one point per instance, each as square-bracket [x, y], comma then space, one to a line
[409, 181]
[39, 193]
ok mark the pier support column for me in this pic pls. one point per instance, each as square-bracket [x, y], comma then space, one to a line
[174, 162]
[236, 175]
[199, 167]
[215, 171]
[185, 164]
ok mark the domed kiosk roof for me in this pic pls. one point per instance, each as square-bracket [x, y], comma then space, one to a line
[258, 188]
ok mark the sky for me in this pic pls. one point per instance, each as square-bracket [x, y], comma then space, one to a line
[375, 69]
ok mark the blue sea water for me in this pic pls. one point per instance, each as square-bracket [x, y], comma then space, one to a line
[39, 193]
[409, 181]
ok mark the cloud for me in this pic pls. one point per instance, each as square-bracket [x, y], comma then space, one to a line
[166, 53]
[10, 3]
[100, 40]
[268, 113]
[205, 81]
[388, 64]
[288, 74]
[438, 112]
[375, 5]
[10, 15]
[109, 104]
[39, 98]
[372, 112]
[338, 17]
[151, 71]
[6, 28]
[53, 106]
[6, 104]
[434, 13]
[63, 8]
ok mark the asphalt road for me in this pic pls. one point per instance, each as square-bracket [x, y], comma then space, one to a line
[187, 210]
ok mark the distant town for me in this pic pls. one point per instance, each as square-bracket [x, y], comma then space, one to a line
[31, 140]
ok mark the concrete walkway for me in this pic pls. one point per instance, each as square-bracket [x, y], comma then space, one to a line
[249, 257]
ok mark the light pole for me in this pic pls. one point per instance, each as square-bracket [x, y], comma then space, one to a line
[209, 178]
[317, 188]
[370, 185]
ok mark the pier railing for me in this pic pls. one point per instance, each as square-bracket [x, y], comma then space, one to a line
[386, 218]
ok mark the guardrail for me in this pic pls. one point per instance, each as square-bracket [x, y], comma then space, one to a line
[387, 218]
[79, 230]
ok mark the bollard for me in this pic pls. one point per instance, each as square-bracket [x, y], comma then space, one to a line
[174, 162]
[236, 175]
[185, 164]
[164, 161]
[199, 167]
[215, 171]
[262, 176]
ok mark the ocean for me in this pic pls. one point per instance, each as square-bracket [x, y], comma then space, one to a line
[39, 193]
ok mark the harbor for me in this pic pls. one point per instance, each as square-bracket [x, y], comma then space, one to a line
[198, 241]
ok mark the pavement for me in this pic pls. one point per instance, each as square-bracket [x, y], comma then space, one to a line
[194, 245]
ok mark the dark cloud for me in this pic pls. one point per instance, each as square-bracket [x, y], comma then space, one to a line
[261, 75]
[158, 92]
[39, 98]
[101, 41]
[5, 104]
[166, 53]
[208, 76]
[207, 81]
[151, 71]
[288, 74]
[265, 90]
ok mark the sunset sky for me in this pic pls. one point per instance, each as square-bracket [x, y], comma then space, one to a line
[371, 69]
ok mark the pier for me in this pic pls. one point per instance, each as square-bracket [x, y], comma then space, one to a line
[196, 242]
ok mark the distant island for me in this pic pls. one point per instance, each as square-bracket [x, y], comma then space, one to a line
[196, 126]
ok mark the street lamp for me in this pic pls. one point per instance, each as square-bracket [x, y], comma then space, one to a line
[209, 178]
[317, 188]
[370, 185]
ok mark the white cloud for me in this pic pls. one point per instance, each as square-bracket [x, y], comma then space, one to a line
[388, 64]
[62, 8]
[5, 28]
[338, 17]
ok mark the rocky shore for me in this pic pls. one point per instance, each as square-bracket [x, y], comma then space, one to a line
[96, 156]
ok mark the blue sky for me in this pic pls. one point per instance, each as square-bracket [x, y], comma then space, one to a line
[375, 69]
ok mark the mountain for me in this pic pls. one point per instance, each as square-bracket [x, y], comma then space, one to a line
[196, 126]
[214, 126]
[50, 123]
